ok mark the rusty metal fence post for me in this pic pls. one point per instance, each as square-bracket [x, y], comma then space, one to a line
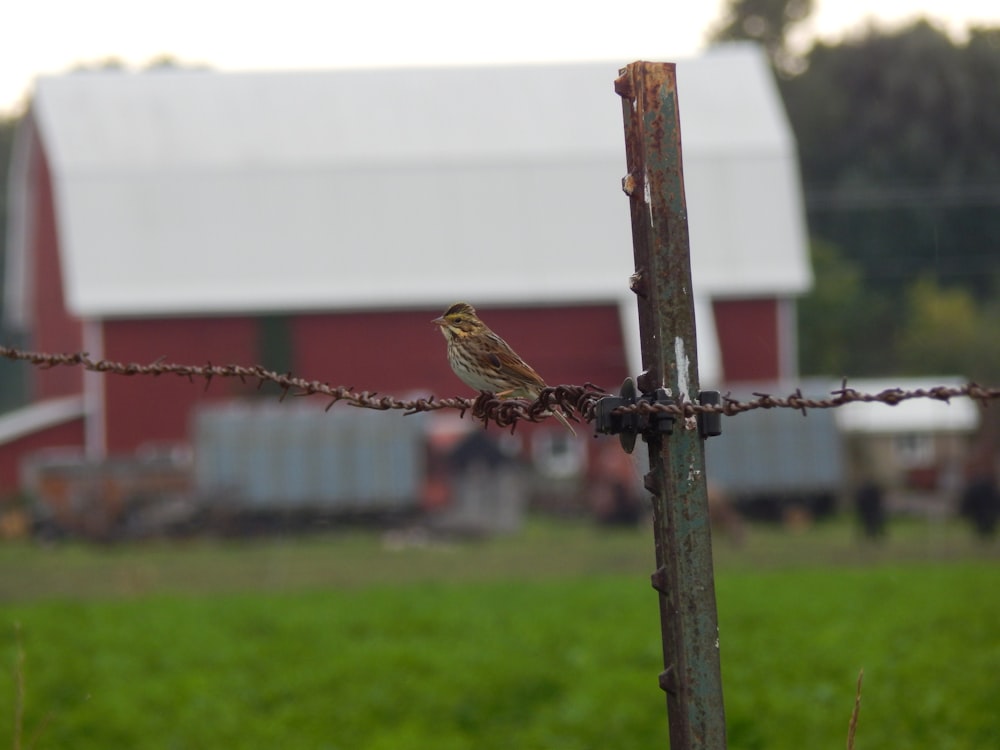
[662, 282]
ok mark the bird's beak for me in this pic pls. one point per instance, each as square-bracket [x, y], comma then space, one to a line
[439, 322]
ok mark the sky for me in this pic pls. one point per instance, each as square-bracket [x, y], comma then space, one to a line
[50, 36]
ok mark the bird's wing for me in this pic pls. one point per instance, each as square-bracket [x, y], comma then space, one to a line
[510, 366]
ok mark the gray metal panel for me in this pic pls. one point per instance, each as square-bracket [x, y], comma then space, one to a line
[283, 457]
[777, 451]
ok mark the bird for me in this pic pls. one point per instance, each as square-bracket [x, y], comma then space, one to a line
[484, 361]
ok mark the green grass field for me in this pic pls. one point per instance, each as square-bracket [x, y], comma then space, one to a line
[545, 640]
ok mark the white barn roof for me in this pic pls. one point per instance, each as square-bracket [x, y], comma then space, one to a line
[194, 192]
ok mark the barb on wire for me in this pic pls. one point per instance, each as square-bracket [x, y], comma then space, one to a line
[579, 402]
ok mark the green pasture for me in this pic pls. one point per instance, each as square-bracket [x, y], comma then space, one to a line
[549, 639]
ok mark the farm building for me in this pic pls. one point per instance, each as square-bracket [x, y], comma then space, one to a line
[918, 450]
[315, 222]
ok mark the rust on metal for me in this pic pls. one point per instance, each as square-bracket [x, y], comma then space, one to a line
[668, 680]
[659, 580]
[651, 481]
[637, 283]
[628, 184]
[623, 85]
[684, 577]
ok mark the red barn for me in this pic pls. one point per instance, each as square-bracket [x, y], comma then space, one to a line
[316, 222]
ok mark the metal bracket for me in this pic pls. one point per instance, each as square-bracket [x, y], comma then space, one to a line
[709, 423]
[630, 425]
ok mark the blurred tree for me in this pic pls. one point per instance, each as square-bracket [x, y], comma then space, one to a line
[841, 323]
[99, 64]
[765, 21]
[7, 126]
[824, 314]
[159, 62]
[948, 332]
[899, 140]
[169, 62]
[899, 137]
[13, 376]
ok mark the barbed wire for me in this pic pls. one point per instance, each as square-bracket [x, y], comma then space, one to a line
[579, 402]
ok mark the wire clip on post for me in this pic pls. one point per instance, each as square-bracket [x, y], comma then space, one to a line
[709, 423]
[612, 419]
[627, 425]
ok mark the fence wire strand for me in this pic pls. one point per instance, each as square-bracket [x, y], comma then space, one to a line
[579, 402]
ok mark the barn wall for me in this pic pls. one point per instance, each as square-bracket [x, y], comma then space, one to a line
[398, 351]
[54, 329]
[65, 435]
[146, 409]
[748, 339]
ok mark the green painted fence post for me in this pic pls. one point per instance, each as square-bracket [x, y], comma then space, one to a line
[662, 282]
